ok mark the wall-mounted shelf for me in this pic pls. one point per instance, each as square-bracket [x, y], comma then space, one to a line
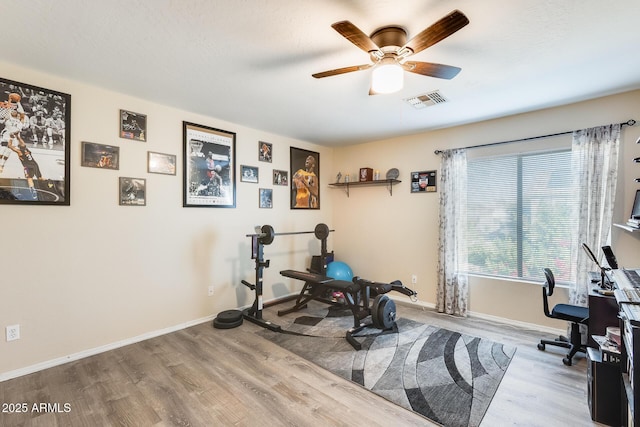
[388, 182]
[626, 227]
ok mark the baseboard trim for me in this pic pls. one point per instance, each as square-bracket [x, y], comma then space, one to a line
[502, 320]
[97, 350]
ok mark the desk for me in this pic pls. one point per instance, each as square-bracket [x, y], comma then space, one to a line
[603, 379]
[603, 312]
[630, 350]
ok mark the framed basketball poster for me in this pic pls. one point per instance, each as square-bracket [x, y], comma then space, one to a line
[209, 167]
[35, 129]
[305, 179]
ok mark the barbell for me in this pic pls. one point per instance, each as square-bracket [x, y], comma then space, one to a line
[266, 234]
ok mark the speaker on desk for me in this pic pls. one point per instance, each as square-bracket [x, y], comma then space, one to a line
[603, 383]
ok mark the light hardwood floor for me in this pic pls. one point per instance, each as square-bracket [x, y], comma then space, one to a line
[202, 376]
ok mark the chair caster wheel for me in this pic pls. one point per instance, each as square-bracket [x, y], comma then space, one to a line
[566, 361]
[541, 346]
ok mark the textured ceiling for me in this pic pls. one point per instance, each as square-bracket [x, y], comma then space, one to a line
[250, 61]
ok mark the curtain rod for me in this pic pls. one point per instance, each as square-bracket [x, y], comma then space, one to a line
[629, 122]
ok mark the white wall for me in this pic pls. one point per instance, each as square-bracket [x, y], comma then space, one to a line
[393, 237]
[95, 273]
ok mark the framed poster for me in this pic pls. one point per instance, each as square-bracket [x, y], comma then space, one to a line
[161, 163]
[35, 131]
[133, 191]
[305, 179]
[249, 174]
[100, 156]
[264, 151]
[266, 198]
[133, 125]
[209, 157]
[423, 182]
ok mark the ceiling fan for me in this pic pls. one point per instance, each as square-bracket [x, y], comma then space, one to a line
[388, 48]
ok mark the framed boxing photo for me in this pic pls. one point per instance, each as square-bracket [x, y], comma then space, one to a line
[35, 130]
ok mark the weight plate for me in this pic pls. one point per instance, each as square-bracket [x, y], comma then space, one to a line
[379, 301]
[229, 316]
[269, 234]
[321, 231]
[223, 325]
[387, 314]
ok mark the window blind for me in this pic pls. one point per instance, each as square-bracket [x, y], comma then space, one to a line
[521, 213]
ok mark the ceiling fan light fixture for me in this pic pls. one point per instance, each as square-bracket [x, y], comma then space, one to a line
[387, 77]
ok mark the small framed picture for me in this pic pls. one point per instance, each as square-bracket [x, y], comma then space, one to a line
[133, 125]
[264, 151]
[423, 182]
[133, 191]
[248, 174]
[161, 163]
[280, 177]
[100, 156]
[266, 198]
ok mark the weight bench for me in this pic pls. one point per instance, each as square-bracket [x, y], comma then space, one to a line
[357, 296]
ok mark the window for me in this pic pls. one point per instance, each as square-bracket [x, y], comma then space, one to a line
[521, 214]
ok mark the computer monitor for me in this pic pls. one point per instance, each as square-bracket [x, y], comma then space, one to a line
[635, 211]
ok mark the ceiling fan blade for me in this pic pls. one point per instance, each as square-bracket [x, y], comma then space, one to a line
[341, 71]
[431, 69]
[437, 32]
[355, 36]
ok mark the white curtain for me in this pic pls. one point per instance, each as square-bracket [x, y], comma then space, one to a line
[453, 289]
[595, 157]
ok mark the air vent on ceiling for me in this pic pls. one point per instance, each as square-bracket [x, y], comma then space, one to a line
[426, 100]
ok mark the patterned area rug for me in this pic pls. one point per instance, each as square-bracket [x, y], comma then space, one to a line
[443, 375]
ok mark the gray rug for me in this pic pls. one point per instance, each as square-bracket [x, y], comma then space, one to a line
[443, 375]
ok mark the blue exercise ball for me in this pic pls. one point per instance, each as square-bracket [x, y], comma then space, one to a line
[339, 271]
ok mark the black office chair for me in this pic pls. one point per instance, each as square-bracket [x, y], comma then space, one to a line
[572, 313]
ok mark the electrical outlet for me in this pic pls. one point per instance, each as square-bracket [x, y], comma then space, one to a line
[210, 290]
[414, 279]
[13, 332]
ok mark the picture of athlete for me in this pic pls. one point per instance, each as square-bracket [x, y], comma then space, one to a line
[31, 168]
[10, 135]
[306, 184]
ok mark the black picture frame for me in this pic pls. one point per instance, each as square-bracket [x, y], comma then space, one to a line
[209, 167]
[305, 179]
[133, 125]
[39, 151]
[100, 156]
[424, 182]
